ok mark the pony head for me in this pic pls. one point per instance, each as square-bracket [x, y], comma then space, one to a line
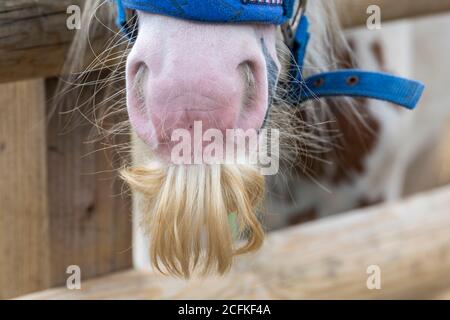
[226, 76]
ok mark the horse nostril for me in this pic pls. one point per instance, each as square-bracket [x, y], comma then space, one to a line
[138, 82]
[247, 72]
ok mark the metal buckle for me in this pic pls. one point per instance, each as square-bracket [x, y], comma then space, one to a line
[289, 29]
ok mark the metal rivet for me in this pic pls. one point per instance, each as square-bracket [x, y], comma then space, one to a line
[319, 82]
[352, 80]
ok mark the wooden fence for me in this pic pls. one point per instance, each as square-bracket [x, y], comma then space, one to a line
[331, 261]
[55, 211]
[34, 40]
[60, 201]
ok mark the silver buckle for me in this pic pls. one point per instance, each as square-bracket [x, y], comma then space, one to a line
[290, 28]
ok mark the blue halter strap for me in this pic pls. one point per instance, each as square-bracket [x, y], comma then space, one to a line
[219, 11]
[347, 82]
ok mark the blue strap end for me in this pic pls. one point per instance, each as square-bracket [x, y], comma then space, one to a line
[122, 22]
[288, 6]
[358, 83]
[301, 43]
[121, 19]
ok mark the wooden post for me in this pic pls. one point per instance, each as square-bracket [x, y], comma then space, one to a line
[59, 208]
[24, 220]
[90, 218]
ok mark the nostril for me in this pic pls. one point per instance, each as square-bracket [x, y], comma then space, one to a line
[138, 82]
[247, 72]
[138, 69]
[132, 68]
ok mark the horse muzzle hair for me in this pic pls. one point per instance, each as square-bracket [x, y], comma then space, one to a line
[179, 73]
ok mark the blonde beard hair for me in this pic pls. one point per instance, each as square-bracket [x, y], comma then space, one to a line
[186, 212]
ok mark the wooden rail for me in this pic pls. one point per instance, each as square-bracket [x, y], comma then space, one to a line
[409, 242]
[34, 38]
[353, 12]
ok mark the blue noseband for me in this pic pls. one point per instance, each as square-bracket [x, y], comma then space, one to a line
[347, 82]
[220, 11]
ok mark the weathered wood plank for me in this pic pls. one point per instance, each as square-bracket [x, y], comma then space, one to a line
[90, 221]
[353, 12]
[409, 241]
[24, 220]
[34, 39]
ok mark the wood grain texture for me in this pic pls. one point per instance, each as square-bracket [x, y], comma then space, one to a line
[24, 220]
[90, 219]
[61, 202]
[34, 39]
[329, 258]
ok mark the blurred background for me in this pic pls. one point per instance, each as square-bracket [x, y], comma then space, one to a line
[62, 205]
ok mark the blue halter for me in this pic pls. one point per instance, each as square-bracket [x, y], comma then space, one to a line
[347, 82]
[220, 11]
